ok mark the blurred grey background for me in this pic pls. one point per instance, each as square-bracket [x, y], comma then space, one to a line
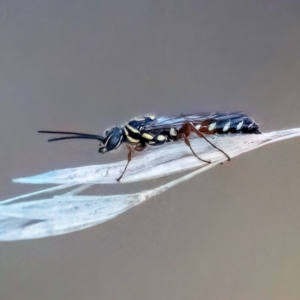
[85, 65]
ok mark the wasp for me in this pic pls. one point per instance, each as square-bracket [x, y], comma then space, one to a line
[153, 131]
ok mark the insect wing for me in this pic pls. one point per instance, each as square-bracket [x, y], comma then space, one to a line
[177, 122]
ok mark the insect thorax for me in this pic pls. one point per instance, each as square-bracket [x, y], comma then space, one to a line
[136, 133]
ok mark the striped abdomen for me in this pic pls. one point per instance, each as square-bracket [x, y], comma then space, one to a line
[224, 124]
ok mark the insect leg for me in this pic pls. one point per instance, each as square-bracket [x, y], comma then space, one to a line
[139, 147]
[184, 133]
[193, 129]
[129, 157]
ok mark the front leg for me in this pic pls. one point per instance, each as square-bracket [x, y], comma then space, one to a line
[130, 155]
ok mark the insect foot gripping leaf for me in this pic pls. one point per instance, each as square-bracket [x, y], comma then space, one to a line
[53, 215]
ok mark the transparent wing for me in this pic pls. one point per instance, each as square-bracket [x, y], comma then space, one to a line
[178, 121]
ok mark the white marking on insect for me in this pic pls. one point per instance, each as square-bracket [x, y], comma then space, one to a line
[147, 136]
[103, 146]
[161, 138]
[212, 126]
[132, 129]
[126, 131]
[109, 137]
[173, 132]
[198, 126]
[132, 140]
[226, 127]
[138, 119]
[239, 126]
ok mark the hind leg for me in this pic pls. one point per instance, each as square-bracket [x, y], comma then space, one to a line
[184, 132]
[192, 128]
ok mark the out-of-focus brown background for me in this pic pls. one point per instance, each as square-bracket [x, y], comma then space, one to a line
[231, 233]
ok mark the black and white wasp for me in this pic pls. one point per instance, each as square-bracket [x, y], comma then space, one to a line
[153, 131]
